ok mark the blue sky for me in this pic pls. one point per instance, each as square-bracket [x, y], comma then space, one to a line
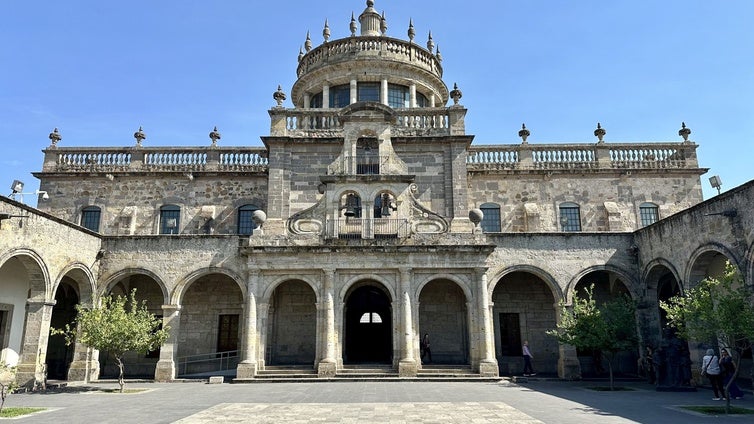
[99, 70]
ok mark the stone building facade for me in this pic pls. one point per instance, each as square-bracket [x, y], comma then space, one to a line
[368, 218]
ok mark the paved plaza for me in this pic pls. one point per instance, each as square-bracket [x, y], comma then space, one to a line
[542, 401]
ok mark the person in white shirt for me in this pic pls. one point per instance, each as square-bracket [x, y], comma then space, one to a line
[528, 370]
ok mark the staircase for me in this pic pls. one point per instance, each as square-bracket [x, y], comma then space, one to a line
[367, 372]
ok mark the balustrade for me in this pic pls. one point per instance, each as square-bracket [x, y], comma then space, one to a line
[367, 228]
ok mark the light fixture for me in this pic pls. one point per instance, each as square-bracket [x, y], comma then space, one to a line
[716, 182]
[17, 189]
[4, 216]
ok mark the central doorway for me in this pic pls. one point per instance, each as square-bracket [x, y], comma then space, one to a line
[369, 328]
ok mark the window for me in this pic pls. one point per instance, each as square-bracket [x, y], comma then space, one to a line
[369, 91]
[370, 318]
[90, 216]
[649, 213]
[398, 96]
[316, 101]
[421, 100]
[170, 219]
[245, 223]
[570, 217]
[491, 220]
[340, 96]
[367, 156]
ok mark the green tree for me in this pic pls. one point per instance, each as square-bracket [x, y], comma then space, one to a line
[119, 325]
[718, 311]
[608, 328]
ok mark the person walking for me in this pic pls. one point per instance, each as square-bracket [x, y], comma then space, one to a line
[711, 368]
[728, 370]
[425, 350]
[528, 370]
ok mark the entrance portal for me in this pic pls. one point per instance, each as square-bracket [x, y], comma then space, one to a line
[60, 354]
[368, 326]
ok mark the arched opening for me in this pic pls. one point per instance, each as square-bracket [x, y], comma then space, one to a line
[368, 325]
[523, 311]
[14, 290]
[292, 330]
[60, 354]
[443, 316]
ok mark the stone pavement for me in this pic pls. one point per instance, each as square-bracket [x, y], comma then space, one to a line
[539, 401]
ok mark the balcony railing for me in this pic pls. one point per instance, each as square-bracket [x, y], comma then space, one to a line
[583, 156]
[157, 159]
[367, 228]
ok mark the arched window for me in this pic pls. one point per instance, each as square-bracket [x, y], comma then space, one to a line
[340, 96]
[570, 217]
[316, 101]
[491, 220]
[170, 219]
[245, 223]
[367, 156]
[90, 217]
[370, 318]
[649, 213]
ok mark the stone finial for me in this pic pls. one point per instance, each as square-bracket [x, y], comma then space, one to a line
[370, 3]
[456, 94]
[430, 43]
[214, 136]
[600, 133]
[684, 132]
[139, 136]
[353, 27]
[438, 55]
[326, 31]
[383, 23]
[300, 53]
[279, 96]
[524, 133]
[308, 42]
[411, 30]
[54, 138]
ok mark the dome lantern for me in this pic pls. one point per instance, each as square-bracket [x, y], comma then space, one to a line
[370, 21]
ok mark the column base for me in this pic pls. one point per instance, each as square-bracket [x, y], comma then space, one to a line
[29, 376]
[407, 369]
[326, 369]
[165, 371]
[83, 371]
[246, 369]
[569, 369]
[489, 369]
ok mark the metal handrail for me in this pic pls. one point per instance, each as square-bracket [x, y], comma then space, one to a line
[223, 360]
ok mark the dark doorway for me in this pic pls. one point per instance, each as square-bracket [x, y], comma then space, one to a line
[510, 335]
[368, 327]
[60, 354]
[227, 333]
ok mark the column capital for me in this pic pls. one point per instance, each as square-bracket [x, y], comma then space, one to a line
[173, 308]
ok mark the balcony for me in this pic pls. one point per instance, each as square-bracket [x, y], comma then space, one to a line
[367, 228]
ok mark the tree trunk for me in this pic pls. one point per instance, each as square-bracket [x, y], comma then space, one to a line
[610, 369]
[120, 375]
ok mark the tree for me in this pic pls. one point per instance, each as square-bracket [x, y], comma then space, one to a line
[119, 325]
[718, 311]
[608, 328]
[7, 383]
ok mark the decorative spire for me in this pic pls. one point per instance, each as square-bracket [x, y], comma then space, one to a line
[456, 94]
[54, 138]
[600, 133]
[139, 136]
[300, 53]
[308, 42]
[353, 26]
[214, 136]
[279, 96]
[383, 23]
[438, 55]
[411, 30]
[370, 21]
[430, 43]
[524, 133]
[684, 132]
[326, 31]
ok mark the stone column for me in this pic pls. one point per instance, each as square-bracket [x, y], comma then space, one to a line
[412, 95]
[30, 371]
[569, 367]
[354, 91]
[488, 363]
[166, 365]
[328, 366]
[85, 364]
[247, 368]
[407, 366]
[383, 92]
[325, 96]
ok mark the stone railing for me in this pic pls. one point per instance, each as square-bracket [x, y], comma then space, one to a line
[328, 123]
[157, 159]
[603, 156]
[346, 48]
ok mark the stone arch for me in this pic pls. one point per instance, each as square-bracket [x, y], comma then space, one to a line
[661, 282]
[183, 285]
[292, 323]
[443, 316]
[272, 285]
[524, 300]
[654, 267]
[116, 277]
[36, 270]
[459, 280]
[354, 281]
[545, 276]
[628, 281]
[85, 281]
[707, 260]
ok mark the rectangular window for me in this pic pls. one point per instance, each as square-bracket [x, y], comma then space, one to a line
[227, 333]
[90, 217]
[340, 96]
[491, 219]
[570, 218]
[649, 215]
[397, 96]
[245, 223]
[510, 335]
[369, 92]
[170, 219]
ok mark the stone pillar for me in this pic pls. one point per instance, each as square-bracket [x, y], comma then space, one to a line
[412, 95]
[30, 371]
[432, 100]
[488, 363]
[383, 92]
[354, 91]
[407, 366]
[569, 367]
[328, 365]
[85, 364]
[325, 96]
[247, 368]
[307, 101]
[166, 365]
